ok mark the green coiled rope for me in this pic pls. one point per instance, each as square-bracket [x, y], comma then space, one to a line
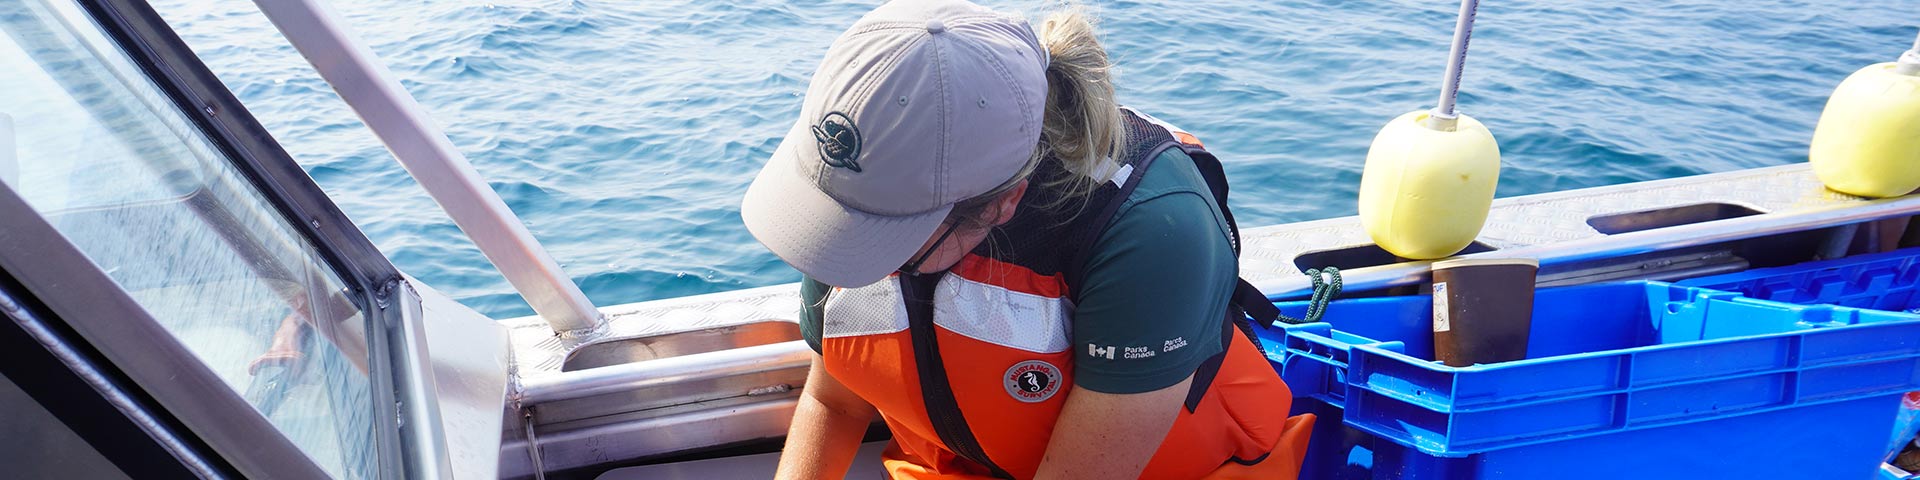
[1326, 286]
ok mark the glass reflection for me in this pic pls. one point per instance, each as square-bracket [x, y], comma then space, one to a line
[97, 150]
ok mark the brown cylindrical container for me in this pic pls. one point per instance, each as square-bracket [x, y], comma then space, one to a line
[1482, 309]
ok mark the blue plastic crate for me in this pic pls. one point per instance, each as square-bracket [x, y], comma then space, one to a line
[1883, 281]
[1890, 472]
[1641, 379]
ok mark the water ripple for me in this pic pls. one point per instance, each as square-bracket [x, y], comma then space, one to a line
[625, 132]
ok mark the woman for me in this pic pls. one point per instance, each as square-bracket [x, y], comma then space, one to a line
[1023, 279]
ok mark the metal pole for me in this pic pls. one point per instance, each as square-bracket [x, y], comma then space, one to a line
[1910, 62]
[1443, 114]
[404, 126]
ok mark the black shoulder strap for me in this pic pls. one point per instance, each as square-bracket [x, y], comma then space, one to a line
[1216, 177]
[1248, 299]
[813, 311]
[935, 390]
[1089, 231]
[1251, 301]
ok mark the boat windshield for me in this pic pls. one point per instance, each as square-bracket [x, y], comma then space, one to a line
[96, 148]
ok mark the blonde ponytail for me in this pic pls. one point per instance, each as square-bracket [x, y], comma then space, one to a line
[1083, 126]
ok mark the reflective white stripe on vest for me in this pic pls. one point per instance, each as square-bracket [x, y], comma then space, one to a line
[870, 310]
[996, 315]
[981, 311]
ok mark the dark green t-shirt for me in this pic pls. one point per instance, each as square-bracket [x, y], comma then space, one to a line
[1158, 283]
[1157, 286]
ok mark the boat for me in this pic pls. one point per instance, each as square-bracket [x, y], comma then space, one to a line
[123, 295]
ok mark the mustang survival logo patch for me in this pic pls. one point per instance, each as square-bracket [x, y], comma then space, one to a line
[1032, 381]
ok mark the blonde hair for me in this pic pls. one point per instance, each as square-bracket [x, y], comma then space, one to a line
[1083, 126]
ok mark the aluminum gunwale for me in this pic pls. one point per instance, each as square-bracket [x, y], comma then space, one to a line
[595, 381]
[1632, 243]
[684, 368]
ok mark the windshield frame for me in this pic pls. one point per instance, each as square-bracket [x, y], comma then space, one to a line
[40, 258]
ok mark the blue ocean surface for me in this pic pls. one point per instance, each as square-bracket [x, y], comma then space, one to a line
[625, 132]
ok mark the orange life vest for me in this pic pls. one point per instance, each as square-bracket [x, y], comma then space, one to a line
[985, 402]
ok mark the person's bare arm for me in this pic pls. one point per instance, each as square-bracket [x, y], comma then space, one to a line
[285, 346]
[1104, 435]
[329, 319]
[827, 428]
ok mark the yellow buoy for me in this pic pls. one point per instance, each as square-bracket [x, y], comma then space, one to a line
[1426, 189]
[1429, 179]
[1868, 140]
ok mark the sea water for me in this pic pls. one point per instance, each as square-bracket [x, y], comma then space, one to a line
[624, 132]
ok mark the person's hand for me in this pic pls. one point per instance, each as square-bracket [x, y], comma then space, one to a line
[286, 358]
[285, 349]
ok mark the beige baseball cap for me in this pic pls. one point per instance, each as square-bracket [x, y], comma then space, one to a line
[920, 105]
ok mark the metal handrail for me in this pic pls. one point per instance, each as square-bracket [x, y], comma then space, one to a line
[405, 128]
[1624, 244]
[683, 368]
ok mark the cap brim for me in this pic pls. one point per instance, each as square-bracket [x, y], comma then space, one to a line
[830, 242]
